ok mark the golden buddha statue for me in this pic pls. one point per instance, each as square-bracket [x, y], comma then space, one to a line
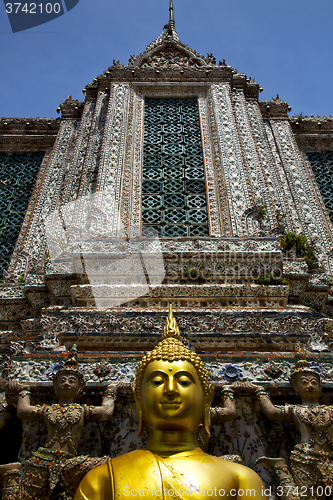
[173, 397]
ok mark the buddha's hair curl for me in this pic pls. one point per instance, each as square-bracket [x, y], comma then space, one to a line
[172, 349]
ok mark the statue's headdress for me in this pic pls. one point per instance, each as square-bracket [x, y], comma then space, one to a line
[171, 348]
[71, 365]
[302, 365]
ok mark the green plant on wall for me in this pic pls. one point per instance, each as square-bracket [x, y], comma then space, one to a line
[279, 216]
[297, 244]
[262, 212]
[270, 279]
[299, 118]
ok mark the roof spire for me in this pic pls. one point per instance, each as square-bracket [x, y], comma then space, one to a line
[171, 16]
[172, 27]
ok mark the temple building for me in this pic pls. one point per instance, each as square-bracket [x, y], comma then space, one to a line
[172, 183]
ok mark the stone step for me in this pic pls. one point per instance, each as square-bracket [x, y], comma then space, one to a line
[222, 260]
[245, 295]
[209, 329]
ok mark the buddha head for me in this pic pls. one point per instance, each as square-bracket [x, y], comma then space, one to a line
[171, 390]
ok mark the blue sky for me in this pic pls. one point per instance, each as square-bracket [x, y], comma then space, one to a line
[286, 45]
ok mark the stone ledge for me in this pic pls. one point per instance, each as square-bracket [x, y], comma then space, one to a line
[202, 342]
[10, 291]
[99, 245]
[295, 267]
[13, 311]
[7, 336]
[170, 290]
[224, 368]
[181, 295]
[122, 325]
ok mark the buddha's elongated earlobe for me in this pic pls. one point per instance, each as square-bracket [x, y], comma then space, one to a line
[206, 421]
[142, 422]
[206, 412]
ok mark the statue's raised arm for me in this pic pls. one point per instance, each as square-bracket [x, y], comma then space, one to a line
[25, 411]
[273, 412]
[228, 409]
[105, 411]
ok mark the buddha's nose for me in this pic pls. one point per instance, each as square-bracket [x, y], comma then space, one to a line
[171, 385]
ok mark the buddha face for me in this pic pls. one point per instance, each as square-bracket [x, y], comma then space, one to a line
[307, 386]
[172, 397]
[67, 386]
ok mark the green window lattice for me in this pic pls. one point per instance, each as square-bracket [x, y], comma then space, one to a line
[18, 174]
[173, 189]
[322, 166]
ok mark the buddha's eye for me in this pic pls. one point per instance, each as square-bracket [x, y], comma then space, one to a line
[184, 382]
[156, 381]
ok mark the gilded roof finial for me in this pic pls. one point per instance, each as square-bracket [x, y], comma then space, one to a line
[171, 329]
[171, 26]
[171, 16]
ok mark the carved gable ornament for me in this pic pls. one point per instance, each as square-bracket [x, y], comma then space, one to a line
[171, 55]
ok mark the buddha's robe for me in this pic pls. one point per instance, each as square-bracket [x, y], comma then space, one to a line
[190, 475]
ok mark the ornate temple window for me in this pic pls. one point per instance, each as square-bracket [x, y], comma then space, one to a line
[18, 174]
[174, 200]
[322, 166]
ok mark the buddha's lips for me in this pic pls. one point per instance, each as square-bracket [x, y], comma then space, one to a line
[170, 405]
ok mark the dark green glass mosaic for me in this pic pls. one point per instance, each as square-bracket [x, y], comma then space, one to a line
[173, 189]
[18, 174]
[322, 166]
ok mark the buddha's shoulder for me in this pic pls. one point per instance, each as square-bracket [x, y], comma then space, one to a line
[226, 468]
[133, 457]
[233, 469]
[232, 466]
[199, 456]
[96, 484]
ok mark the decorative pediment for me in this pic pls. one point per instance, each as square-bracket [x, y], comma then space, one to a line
[166, 52]
[170, 55]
